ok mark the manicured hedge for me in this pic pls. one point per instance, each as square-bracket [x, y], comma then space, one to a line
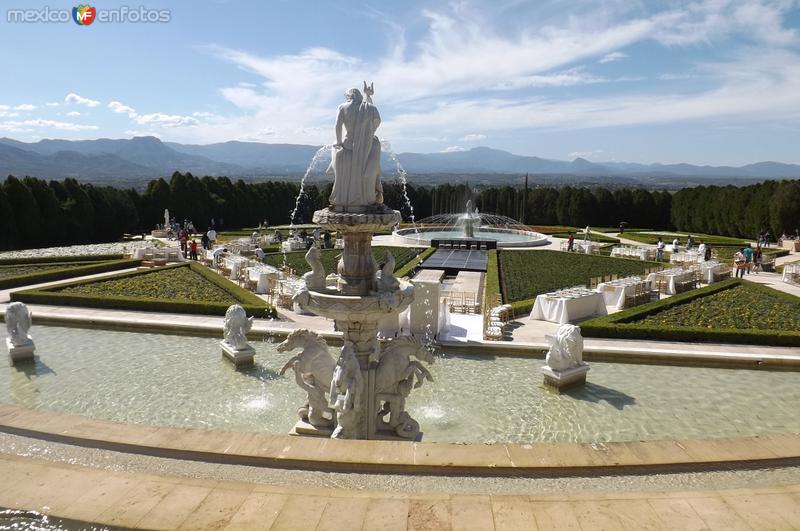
[69, 270]
[59, 259]
[627, 324]
[411, 264]
[54, 295]
[602, 238]
[491, 283]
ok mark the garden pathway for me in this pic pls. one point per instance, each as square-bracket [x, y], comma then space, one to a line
[140, 500]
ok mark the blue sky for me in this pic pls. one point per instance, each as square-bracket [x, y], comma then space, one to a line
[703, 81]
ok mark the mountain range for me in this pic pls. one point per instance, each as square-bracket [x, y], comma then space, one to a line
[142, 158]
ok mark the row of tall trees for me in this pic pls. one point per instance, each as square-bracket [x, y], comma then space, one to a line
[36, 213]
[738, 211]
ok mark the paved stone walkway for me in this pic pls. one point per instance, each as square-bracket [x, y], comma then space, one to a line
[150, 501]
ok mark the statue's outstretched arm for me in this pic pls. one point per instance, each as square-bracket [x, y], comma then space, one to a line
[339, 124]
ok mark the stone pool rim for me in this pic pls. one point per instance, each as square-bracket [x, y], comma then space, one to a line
[367, 456]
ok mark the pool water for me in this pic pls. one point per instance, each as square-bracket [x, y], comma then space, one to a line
[182, 381]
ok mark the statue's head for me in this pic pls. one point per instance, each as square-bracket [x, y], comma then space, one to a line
[353, 95]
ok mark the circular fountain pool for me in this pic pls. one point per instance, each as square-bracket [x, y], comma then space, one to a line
[504, 237]
[183, 381]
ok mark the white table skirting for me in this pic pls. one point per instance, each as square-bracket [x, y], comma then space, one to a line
[563, 310]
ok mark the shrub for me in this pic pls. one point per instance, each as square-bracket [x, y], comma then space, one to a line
[409, 266]
[330, 257]
[491, 284]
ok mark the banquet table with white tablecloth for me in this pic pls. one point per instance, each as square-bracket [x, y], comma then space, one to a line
[791, 272]
[615, 291]
[641, 253]
[685, 257]
[568, 305]
[265, 277]
[711, 268]
[673, 277]
[587, 247]
[293, 245]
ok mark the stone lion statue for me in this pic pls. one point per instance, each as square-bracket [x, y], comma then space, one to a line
[18, 322]
[566, 348]
[236, 327]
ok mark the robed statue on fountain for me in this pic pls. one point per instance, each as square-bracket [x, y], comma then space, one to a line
[356, 158]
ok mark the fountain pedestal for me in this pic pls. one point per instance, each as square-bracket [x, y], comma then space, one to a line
[22, 352]
[357, 306]
[560, 380]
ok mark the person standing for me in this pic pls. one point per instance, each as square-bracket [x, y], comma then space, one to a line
[701, 250]
[675, 245]
[570, 241]
[193, 249]
[739, 263]
[689, 243]
[204, 241]
[748, 259]
[757, 257]
[660, 246]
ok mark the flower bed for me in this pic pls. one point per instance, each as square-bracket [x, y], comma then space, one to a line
[733, 311]
[181, 288]
[25, 272]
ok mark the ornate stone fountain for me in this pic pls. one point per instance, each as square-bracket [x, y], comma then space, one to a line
[367, 389]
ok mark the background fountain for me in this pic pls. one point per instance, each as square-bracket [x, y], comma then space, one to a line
[472, 224]
[369, 384]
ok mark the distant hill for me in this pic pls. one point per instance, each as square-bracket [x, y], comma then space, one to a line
[147, 157]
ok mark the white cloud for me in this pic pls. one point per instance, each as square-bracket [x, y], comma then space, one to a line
[472, 137]
[28, 125]
[165, 120]
[80, 100]
[73, 113]
[453, 149]
[120, 108]
[611, 57]
[25, 107]
[52, 104]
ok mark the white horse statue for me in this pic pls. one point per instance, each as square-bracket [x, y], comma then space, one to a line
[313, 372]
[396, 375]
[236, 327]
[566, 348]
[18, 322]
[345, 395]
[315, 279]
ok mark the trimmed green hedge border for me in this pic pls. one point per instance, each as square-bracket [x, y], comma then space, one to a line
[414, 262]
[60, 259]
[618, 325]
[491, 283]
[252, 304]
[67, 272]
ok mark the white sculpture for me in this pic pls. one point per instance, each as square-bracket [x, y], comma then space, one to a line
[236, 327]
[313, 372]
[386, 279]
[566, 348]
[18, 322]
[234, 345]
[395, 376]
[166, 219]
[346, 388]
[315, 279]
[356, 158]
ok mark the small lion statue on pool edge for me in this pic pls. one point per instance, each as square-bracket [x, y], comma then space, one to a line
[236, 327]
[566, 348]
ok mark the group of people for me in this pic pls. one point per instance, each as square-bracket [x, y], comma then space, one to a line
[747, 259]
[703, 249]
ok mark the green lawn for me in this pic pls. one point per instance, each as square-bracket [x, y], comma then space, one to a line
[330, 258]
[709, 238]
[732, 311]
[525, 274]
[602, 238]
